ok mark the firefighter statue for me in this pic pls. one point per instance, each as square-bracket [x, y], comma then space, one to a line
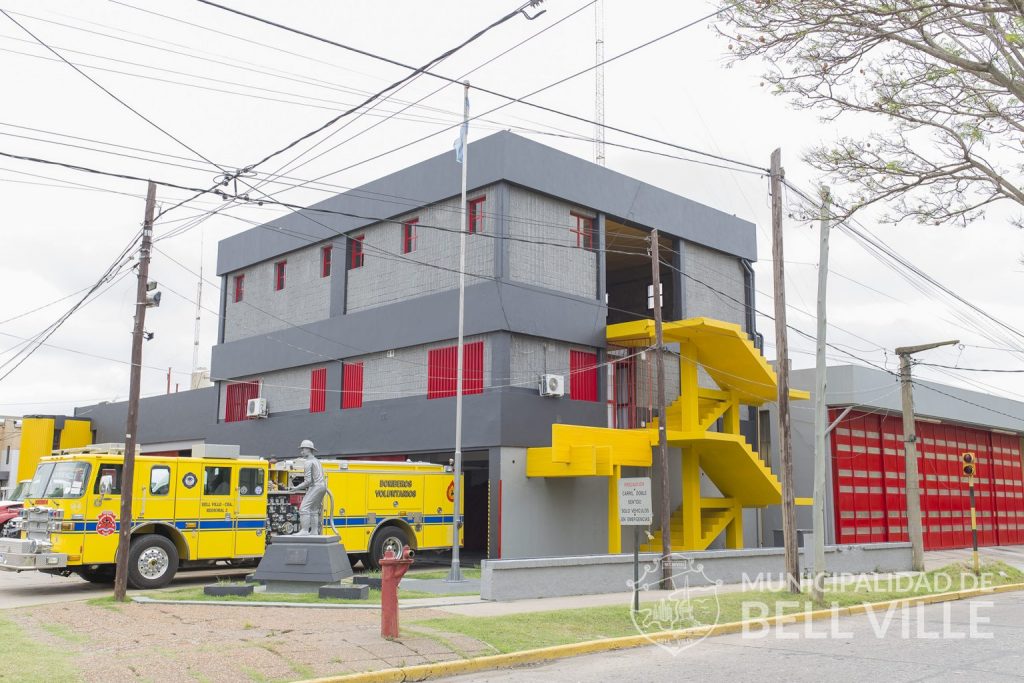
[313, 483]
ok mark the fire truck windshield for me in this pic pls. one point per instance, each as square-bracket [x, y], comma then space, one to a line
[59, 480]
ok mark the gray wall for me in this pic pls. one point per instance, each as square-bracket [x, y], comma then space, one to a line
[550, 516]
[709, 271]
[389, 275]
[304, 299]
[536, 223]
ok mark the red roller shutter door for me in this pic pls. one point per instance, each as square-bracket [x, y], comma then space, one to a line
[582, 376]
[442, 370]
[869, 482]
[318, 390]
[352, 385]
[237, 398]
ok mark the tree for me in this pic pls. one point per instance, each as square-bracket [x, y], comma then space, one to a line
[947, 76]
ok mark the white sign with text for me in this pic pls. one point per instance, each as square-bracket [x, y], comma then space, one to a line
[635, 501]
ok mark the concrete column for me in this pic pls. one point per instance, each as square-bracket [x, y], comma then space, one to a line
[679, 280]
[493, 502]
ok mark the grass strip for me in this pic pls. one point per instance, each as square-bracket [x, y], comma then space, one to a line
[515, 632]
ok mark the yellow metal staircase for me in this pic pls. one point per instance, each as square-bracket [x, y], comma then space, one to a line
[703, 423]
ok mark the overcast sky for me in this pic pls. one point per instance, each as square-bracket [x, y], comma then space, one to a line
[236, 95]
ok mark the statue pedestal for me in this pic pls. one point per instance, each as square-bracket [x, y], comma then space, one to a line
[301, 564]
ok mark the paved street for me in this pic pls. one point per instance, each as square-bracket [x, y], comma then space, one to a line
[33, 588]
[854, 654]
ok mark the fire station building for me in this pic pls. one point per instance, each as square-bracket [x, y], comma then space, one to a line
[866, 473]
[343, 321]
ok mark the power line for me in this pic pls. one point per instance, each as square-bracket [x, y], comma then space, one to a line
[510, 98]
[954, 367]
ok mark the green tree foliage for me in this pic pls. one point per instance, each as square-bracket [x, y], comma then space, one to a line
[941, 82]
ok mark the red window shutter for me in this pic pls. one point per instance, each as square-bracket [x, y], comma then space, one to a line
[584, 231]
[325, 261]
[318, 390]
[473, 368]
[476, 215]
[409, 236]
[237, 399]
[239, 287]
[442, 370]
[582, 376]
[352, 385]
[356, 258]
[279, 275]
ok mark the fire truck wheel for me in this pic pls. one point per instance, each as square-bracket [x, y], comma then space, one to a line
[152, 561]
[97, 573]
[386, 538]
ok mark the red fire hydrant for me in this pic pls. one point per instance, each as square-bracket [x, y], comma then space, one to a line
[392, 570]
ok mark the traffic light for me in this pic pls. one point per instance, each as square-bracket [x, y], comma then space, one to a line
[970, 466]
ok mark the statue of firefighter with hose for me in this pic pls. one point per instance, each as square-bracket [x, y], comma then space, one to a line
[315, 486]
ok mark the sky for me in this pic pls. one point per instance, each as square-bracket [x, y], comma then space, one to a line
[220, 88]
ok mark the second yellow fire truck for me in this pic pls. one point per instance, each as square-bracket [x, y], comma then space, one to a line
[200, 511]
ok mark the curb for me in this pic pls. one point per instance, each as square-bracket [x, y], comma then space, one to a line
[142, 599]
[423, 672]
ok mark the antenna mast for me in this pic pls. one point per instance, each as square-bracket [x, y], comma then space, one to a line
[599, 82]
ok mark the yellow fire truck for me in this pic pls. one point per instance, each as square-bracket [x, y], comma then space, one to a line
[200, 511]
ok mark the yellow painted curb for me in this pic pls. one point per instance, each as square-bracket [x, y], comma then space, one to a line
[421, 672]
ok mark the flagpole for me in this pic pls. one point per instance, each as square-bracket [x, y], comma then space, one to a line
[455, 573]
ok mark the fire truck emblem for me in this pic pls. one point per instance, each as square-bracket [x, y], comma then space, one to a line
[106, 523]
[189, 480]
[451, 492]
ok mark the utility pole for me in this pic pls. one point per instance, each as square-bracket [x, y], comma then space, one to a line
[128, 469]
[820, 408]
[659, 359]
[789, 535]
[914, 529]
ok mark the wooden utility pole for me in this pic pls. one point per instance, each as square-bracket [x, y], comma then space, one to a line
[659, 359]
[789, 535]
[130, 439]
[820, 405]
[914, 529]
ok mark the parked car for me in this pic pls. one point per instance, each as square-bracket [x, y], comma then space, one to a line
[11, 506]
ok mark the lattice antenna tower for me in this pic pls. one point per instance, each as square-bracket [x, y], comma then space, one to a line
[599, 82]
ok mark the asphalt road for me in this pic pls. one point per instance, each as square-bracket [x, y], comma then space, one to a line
[33, 588]
[928, 643]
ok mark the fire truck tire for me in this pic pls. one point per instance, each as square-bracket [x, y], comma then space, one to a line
[97, 573]
[386, 538]
[152, 561]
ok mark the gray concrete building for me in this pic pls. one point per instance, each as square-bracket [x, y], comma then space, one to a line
[343, 318]
[866, 501]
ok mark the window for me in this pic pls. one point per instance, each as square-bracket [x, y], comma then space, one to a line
[160, 480]
[237, 399]
[108, 481]
[409, 235]
[356, 258]
[352, 385]
[216, 481]
[650, 296]
[584, 231]
[582, 376]
[318, 390]
[476, 215]
[250, 481]
[279, 275]
[62, 480]
[442, 370]
[325, 261]
[239, 287]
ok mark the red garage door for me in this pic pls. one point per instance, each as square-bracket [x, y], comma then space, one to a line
[869, 482]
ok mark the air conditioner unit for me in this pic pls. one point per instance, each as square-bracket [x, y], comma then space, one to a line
[256, 407]
[552, 385]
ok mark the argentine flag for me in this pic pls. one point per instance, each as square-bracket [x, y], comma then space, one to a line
[460, 142]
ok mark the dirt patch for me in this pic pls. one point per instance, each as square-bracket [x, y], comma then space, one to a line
[133, 642]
